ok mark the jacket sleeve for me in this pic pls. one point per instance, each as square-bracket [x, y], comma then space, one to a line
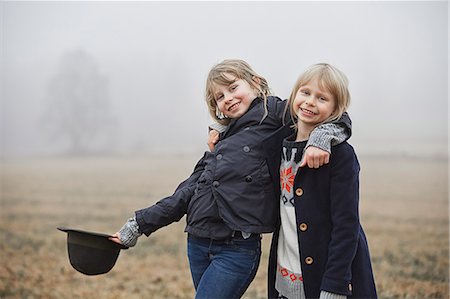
[172, 208]
[333, 133]
[344, 200]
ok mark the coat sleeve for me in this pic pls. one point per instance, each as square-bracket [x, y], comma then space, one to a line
[344, 199]
[172, 208]
[332, 133]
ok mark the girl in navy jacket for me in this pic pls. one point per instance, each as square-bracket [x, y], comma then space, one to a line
[319, 248]
[229, 198]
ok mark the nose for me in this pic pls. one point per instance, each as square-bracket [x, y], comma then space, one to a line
[228, 97]
[309, 101]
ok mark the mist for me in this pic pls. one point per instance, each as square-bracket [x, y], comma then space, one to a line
[137, 70]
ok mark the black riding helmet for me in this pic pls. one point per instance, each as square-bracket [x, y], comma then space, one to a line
[91, 253]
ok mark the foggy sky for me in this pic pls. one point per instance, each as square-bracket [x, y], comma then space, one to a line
[156, 56]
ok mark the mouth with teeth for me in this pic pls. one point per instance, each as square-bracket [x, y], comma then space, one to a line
[307, 112]
[234, 106]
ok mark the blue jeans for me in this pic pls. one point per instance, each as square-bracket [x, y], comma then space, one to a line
[223, 269]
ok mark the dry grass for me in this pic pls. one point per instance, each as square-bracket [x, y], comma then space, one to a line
[404, 210]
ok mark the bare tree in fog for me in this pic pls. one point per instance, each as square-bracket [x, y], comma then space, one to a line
[78, 106]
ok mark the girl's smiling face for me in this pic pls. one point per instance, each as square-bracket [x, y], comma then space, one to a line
[313, 104]
[234, 100]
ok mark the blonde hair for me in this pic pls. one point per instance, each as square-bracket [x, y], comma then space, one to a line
[329, 78]
[238, 69]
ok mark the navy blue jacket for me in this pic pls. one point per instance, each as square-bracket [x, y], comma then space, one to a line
[230, 189]
[326, 205]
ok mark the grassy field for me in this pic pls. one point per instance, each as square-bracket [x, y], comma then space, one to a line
[404, 210]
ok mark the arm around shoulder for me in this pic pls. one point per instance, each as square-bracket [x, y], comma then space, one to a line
[332, 133]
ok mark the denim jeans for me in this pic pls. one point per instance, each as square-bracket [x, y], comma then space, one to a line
[223, 269]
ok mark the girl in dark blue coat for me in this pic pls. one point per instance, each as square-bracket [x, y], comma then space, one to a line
[229, 198]
[319, 249]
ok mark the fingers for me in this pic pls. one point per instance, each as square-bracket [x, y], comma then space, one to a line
[115, 238]
[303, 162]
[213, 133]
[212, 143]
[213, 139]
[315, 157]
[314, 162]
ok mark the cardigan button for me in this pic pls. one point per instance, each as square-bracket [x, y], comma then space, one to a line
[303, 227]
[309, 260]
[299, 191]
[216, 184]
[248, 179]
[246, 149]
[219, 157]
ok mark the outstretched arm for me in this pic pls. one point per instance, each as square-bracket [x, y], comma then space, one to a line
[164, 212]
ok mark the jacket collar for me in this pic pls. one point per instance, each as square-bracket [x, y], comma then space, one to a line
[236, 121]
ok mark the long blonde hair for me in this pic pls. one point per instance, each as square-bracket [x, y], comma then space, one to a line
[329, 78]
[238, 69]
